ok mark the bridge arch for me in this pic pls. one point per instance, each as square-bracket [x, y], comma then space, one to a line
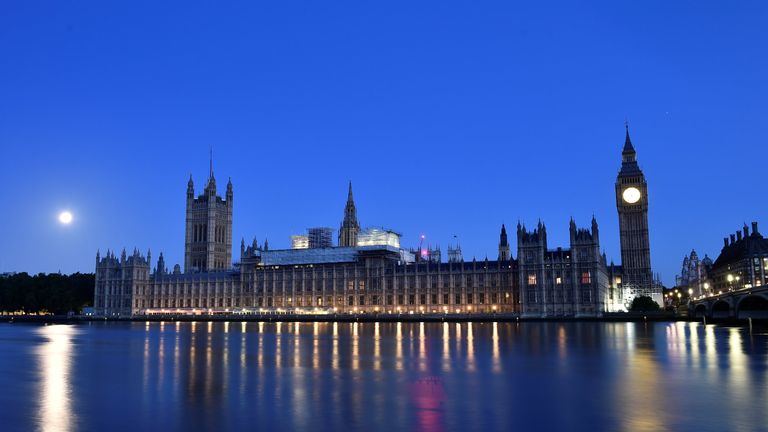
[721, 309]
[752, 306]
[700, 310]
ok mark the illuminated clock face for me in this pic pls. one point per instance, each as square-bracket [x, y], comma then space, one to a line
[631, 195]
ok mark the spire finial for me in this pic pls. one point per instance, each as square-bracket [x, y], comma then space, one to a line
[349, 194]
[210, 148]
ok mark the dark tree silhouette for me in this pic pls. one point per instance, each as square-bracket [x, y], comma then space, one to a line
[46, 293]
[644, 304]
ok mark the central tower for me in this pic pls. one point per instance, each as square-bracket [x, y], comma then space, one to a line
[632, 206]
[208, 239]
[349, 227]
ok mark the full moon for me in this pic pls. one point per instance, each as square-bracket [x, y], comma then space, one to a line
[65, 217]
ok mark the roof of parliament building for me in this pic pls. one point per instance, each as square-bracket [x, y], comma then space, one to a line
[318, 255]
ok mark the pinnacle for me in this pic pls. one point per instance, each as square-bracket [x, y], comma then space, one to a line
[628, 147]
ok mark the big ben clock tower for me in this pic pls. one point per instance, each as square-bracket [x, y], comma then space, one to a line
[632, 206]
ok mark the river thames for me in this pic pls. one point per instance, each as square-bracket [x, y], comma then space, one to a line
[388, 376]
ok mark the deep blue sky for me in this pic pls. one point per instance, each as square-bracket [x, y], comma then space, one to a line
[449, 117]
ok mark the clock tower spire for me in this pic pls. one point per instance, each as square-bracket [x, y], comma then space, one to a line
[632, 207]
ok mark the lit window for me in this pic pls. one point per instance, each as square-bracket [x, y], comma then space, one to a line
[585, 277]
[531, 279]
[558, 280]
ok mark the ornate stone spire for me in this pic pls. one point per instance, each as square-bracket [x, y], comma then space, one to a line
[349, 227]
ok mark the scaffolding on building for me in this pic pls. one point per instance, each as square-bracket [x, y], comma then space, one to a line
[320, 237]
[299, 242]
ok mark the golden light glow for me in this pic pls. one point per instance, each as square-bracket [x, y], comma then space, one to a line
[631, 195]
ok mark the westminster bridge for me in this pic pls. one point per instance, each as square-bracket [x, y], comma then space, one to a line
[737, 304]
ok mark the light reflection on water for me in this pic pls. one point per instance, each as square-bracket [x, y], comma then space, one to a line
[385, 376]
[54, 366]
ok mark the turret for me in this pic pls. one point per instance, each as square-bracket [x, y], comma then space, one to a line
[229, 195]
[190, 189]
[161, 265]
[503, 244]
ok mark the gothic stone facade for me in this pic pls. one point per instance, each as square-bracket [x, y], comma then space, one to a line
[361, 280]
[208, 240]
[541, 282]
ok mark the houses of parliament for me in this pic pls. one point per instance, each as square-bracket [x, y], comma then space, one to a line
[368, 272]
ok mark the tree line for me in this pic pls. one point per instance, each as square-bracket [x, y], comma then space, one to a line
[46, 293]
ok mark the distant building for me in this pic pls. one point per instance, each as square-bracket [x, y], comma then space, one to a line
[694, 274]
[370, 272]
[742, 263]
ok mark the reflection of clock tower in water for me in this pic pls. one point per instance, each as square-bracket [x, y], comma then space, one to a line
[632, 205]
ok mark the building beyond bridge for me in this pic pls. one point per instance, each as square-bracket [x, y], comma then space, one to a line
[737, 282]
[369, 271]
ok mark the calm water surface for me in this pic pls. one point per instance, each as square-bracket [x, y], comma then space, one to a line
[325, 376]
